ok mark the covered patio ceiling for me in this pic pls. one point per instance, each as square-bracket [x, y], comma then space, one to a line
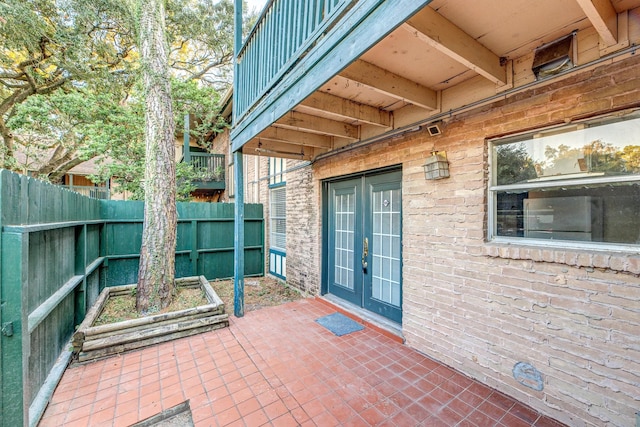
[451, 55]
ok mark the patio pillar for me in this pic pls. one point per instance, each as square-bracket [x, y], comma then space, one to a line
[238, 175]
[238, 272]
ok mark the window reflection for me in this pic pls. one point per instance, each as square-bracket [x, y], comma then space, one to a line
[578, 183]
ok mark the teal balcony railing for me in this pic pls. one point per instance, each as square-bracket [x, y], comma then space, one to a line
[211, 168]
[93, 192]
[284, 32]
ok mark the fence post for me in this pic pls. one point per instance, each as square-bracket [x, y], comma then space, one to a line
[194, 247]
[81, 269]
[15, 337]
[3, 177]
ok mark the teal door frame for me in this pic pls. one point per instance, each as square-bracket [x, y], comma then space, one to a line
[356, 252]
[344, 221]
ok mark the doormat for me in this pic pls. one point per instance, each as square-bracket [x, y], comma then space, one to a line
[339, 324]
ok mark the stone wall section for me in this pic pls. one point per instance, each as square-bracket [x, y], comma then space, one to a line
[303, 229]
[482, 307]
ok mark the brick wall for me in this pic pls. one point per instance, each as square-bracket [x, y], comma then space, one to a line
[303, 230]
[482, 307]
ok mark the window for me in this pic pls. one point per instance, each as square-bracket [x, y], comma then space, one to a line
[252, 179]
[578, 183]
[278, 231]
[277, 218]
[276, 171]
[278, 214]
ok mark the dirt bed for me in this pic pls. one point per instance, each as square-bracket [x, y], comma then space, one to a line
[259, 292]
[123, 307]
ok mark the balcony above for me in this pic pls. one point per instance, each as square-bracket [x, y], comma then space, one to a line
[317, 77]
[211, 168]
[90, 191]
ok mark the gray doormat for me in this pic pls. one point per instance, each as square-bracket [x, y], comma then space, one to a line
[339, 324]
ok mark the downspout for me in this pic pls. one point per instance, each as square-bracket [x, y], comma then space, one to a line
[238, 271]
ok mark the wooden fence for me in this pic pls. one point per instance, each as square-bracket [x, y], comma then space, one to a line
[59, 249]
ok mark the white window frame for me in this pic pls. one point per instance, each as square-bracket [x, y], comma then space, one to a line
[493, 189]
[277, 168]
[273, 218]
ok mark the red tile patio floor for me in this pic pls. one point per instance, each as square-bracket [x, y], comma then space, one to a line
[277, 366]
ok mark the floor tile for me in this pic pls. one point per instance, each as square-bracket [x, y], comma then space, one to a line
[278, 367]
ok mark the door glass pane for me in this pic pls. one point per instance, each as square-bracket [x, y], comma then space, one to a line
[343, 238]
[377, 288]
[385, 253]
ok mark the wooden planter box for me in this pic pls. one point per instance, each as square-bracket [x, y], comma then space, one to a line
[92, 342]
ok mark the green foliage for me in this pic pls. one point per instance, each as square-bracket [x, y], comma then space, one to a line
[123, 143]
[200, 33]
[79, 62]
[74, 51]
[514, 164]
[597, 156]
[202, 103]
[603, 157]
[631, 156]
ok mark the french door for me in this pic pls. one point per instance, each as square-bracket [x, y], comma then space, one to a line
[364, 242]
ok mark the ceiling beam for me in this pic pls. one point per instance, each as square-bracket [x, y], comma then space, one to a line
[295, 137]
[280, 149]
[314, 124]
[391, 84]
[603, 17]
[347, 109]
[441, 34]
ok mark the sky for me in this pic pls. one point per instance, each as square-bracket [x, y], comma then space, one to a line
[256, 5]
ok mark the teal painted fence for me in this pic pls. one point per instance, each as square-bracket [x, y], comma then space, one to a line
[204, 243]
[59, 249]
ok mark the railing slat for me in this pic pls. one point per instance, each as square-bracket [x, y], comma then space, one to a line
[212, 166]
[93, 192]
[284, 33]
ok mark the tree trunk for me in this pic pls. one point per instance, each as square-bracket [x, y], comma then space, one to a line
[157, 255]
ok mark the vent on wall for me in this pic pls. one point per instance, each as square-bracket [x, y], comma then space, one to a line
[554, 58]
[434, 129]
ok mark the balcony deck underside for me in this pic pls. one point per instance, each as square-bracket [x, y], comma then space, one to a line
[209, 185]
[389, 67]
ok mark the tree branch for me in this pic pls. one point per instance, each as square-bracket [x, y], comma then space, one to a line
[8, 142]
[56, 176]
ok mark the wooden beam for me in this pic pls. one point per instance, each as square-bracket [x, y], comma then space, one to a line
[364, 24]
[438, 32]
[391, 84]
[281, 149]
[603, 17]
[314, 124]
[347, 109]
[295, 137]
